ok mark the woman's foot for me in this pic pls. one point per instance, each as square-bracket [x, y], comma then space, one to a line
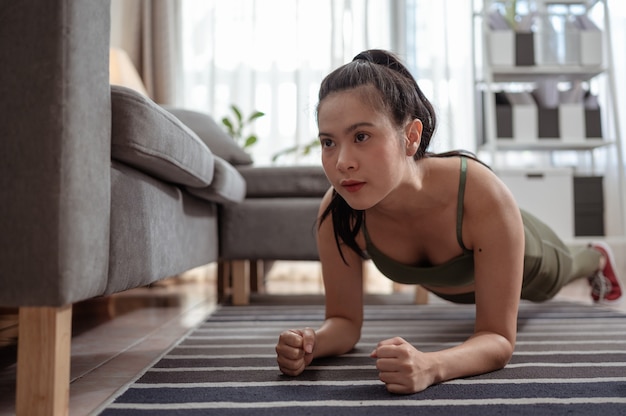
[606, 287]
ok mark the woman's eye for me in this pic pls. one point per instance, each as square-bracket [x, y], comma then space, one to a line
[361, 137]
[326, 142]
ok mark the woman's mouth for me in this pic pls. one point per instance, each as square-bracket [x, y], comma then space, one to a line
[352, 186]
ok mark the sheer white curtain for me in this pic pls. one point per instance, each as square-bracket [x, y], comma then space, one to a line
[439, 52]
[271, 55]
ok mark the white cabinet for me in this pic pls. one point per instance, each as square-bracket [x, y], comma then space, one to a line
[546, 193]
[544, 82]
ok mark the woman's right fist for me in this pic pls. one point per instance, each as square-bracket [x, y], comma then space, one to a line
[295, 350]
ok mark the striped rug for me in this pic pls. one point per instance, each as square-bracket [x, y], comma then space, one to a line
[570, 359]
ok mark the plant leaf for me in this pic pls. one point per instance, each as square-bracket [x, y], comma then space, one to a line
[250, 141]
[284, 152]
[229, 125]
[255, 115]
[237, 113]
[313, 143]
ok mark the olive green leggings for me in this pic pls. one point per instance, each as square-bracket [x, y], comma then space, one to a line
[549, 264]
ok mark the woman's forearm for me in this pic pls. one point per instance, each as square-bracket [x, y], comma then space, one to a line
[336, 336]
[482, 353]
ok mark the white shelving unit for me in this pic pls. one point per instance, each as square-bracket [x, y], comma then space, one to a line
[492, 76]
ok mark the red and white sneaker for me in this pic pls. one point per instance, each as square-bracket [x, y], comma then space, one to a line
[606, 287]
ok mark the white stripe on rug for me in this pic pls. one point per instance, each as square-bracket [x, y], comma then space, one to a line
[373, 403]
[366, 344]
[358, 355]
[371, 382]
[274, 337]
[368, 367]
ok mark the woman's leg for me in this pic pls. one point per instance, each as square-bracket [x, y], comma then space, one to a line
[549, 265]
[585, 264]
[548, 262]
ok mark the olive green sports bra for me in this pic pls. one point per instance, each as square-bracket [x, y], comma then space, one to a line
[457, 272]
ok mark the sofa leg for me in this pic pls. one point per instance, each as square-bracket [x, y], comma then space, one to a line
[421, 295]
[240, 270]
[223, 280]
[43, 361]
[257, 276]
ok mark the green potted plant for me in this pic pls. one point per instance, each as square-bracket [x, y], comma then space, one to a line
[236, 124]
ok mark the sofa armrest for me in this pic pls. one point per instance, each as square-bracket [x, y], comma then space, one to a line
[228, 186]
[55, 123]
[214, 136]
[152, 140]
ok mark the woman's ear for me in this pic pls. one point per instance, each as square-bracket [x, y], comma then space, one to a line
[413, 133]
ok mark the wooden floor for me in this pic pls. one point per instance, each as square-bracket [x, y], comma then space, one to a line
[115, 338]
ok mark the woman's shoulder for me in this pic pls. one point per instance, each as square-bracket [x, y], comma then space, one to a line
[485, 191]
[461, 165]
[482, 175]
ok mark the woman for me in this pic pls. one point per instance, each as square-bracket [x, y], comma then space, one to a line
[442, 221]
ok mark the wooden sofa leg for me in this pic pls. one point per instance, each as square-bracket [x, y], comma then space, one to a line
[223, 280]
[43, 361]
[257, 276]
[240, 270]
[421, 295]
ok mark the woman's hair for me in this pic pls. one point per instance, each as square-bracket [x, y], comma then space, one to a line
[396, 92]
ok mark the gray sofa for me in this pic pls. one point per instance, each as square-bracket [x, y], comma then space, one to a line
[102, 190]
[276, 221]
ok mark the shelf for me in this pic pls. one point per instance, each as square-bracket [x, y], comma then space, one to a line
[495, 53]
[535, 73]
[549, 144]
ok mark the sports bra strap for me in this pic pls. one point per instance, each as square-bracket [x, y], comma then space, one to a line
[459, 205]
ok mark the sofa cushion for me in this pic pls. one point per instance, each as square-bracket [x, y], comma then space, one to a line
[220, 143]
[228, 185]
[284, 181]
[270, 229]
[152, 140]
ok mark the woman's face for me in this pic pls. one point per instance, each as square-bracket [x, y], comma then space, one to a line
[363, 152]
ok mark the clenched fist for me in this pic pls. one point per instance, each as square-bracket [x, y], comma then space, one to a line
[295, 350]
[402, 367]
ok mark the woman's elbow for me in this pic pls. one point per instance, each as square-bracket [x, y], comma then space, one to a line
[505, 353]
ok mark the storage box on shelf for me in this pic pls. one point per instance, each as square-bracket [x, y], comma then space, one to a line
[538, 78]
[521, 118]
[516, 117]
[544, 38]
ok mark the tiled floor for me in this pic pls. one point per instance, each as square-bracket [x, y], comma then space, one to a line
[115, 338]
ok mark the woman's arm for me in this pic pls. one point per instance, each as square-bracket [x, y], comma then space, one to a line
[343, 287]
[495, 233]
[493, 229]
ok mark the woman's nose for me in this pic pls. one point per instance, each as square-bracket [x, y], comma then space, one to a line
[346, 160]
